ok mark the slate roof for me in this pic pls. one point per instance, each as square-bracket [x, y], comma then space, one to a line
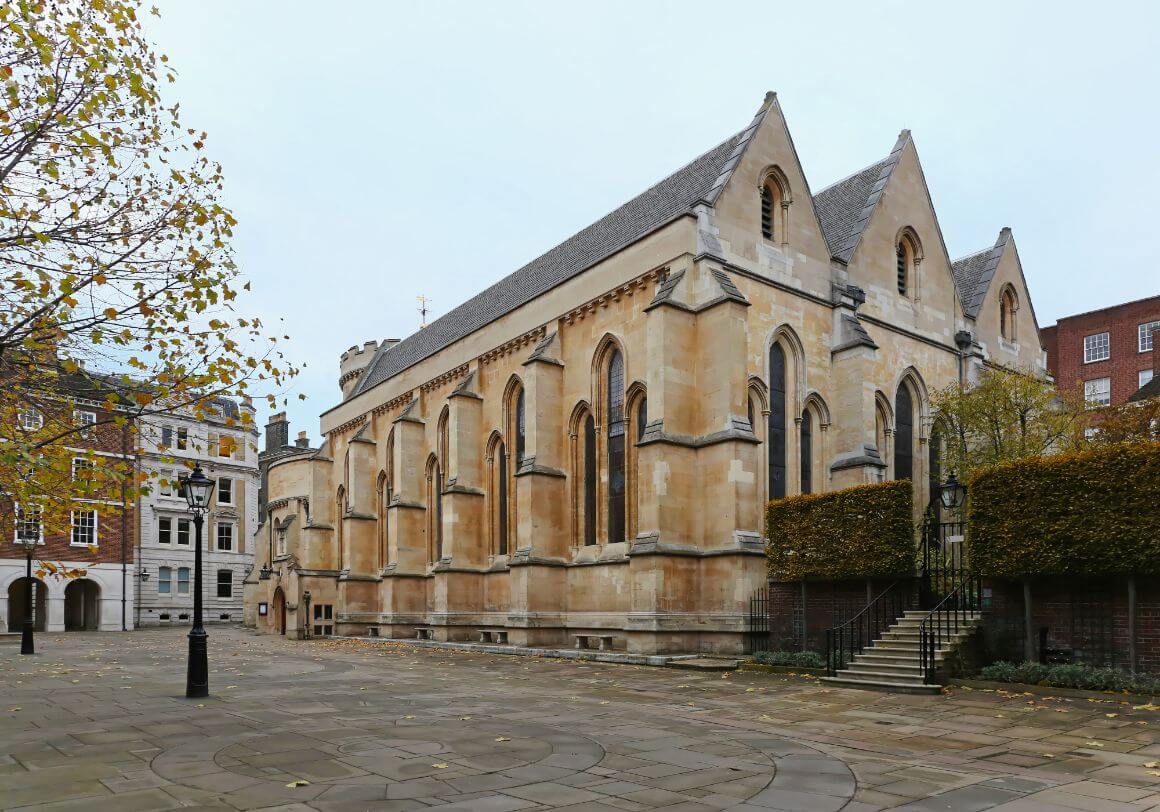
[974, 272]
[840, 205]
[672, 197]
[844, 208]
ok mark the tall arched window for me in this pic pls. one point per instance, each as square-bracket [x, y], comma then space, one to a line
[775, 434]
[589, 481]
[616, 440]
[807, 452]
[903, 433]
[1008, 306]
[907, 256]
[434, 509]
[774, 204]
[521, 428]
[501, 498]
[384, 497]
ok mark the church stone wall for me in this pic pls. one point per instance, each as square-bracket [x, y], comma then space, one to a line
[395, 521]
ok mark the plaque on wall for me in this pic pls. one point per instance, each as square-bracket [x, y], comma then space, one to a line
[263, 609]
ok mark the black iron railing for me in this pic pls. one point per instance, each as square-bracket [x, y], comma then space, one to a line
[852, 637]
[757, 635]
[954, 613]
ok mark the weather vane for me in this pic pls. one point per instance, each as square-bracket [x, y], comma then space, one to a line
[423, 301]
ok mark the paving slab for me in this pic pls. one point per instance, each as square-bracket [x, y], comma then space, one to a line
[338, 725]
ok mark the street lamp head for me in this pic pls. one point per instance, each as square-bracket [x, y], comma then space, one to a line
[197, 490]
[265, 572]
[952, 493]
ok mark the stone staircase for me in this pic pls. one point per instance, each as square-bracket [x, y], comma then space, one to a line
[893, 662]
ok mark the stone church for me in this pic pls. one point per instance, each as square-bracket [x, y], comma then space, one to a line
[584, 449]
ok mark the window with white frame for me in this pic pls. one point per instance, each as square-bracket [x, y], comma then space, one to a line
[82, 469]
[165, 482]
[85, 420]
[84, 528]
[1097, 348]
[225, 583]
[225, 536]
[1145, 376]
[183, 532]
[1098, 392]
[167, 436]
[164, 580]
[182, 439]
[1146, 335]
[29, 418]
[225, 491]
[165, 530]
[28, 525]
[183, 580]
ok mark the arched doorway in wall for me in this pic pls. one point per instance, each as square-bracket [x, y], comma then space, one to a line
[82, 606]
[17, 597]
[279, 611]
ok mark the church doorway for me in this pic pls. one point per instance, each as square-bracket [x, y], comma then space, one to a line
[17, 597]
[279, 611]
[82, 606]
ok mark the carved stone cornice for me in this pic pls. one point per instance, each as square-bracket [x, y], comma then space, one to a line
[627, 289]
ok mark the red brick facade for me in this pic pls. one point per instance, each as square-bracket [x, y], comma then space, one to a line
[110, 443]
[1064, 342]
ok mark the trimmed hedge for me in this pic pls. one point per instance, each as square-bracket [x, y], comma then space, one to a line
[796, 659]
[1085, 677]
[1092, 513]
[860, 532]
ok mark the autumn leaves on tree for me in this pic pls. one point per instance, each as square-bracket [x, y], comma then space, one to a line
[118, 285]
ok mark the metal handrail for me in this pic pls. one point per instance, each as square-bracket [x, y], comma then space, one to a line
[946, 616]
[852, 636]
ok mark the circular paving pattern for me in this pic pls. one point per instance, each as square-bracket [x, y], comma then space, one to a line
[651, 761]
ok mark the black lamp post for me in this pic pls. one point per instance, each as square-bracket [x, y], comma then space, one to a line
[197, 489]
[27, 643]
[952, 493]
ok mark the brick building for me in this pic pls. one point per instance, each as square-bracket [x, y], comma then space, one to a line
[1109, 352]
[97, 535]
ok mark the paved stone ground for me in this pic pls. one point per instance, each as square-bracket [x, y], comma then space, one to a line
[97, 722]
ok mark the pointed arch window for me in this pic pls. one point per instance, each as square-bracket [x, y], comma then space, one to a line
[501, 502]
[616, 441]
[774, 207]
[521, 428]
[806, 444]
[903, 433]
[589, 481]
[1008, 306]
[908, 255]
[775, 430]
[434, 510]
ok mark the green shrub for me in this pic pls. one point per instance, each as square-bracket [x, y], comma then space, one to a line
[860, 532]
[1072, 675]
[796, 659]
[1093, 513]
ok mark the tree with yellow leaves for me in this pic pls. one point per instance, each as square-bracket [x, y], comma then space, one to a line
[115, 252]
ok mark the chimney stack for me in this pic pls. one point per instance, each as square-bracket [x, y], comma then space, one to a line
[303, 441]
[277, 432]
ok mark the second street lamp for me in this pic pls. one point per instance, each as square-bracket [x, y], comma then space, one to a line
[197, 489]
[28, 541]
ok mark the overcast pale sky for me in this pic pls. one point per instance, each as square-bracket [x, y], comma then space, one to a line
[378, 151]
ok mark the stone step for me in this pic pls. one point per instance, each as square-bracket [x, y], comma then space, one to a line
[854, 672]
[885, 668]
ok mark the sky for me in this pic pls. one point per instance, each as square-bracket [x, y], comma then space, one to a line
[378, 151]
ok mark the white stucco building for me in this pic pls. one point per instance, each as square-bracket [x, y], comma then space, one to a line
[228, 453]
